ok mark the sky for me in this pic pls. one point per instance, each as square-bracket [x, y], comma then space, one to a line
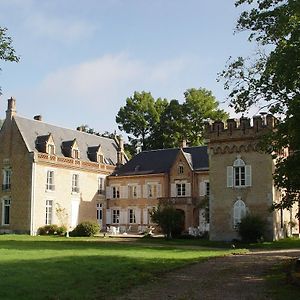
[80, 60]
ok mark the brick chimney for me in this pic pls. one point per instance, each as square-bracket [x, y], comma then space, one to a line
[11, 108]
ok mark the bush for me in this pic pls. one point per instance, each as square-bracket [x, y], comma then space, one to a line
[52, 229]
[251, 228]
[87, 228]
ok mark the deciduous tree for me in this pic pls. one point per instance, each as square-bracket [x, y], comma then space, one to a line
[271, 79]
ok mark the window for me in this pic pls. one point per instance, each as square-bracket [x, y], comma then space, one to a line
[6, 211]
[48, 219]
[50, 181]
[239, 211]
[100, 158]
[207, 188]
[132, 191]
[180, 189]
[132, 218]
[75, 153]
[75, 183]
[100, 186]
[99, 212]
[239, 175]
[116, 192]
[151, 190]
[180, 169]
[116, 216]
[50, 149]
[6, 180]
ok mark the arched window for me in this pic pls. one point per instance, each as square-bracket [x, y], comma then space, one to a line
[239, 175]
[239, 211]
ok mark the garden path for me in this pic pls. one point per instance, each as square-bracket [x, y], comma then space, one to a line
[230, 277]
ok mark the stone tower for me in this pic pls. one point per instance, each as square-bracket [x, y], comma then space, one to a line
[241, 179]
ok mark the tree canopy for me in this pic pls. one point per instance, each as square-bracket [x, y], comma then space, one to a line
[7, 52]
[158, 124]
[271, 79]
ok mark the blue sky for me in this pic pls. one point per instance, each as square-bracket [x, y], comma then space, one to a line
[81, 59]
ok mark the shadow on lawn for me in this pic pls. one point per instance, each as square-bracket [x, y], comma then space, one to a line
[80, 277]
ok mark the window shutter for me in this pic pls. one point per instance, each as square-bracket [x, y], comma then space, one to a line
[145, 191]
[139, 191]
[173, 190]
[123, 216]
[138, 215]
[202, 188]
[108, 216]
[229, 176]
[248, 175]
[188, 189]
[108, 192]
[124, 192]
[158, 190]
[145, 216]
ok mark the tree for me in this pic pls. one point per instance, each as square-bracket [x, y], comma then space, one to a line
[168, 218]
[139, 116]
[159, 124]
[7, 52]
[200, 105]
[1, 123]
[271, 79]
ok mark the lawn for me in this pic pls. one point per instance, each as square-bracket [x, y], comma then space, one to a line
[78, 268]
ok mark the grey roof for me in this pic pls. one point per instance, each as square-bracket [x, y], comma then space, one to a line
[160, 161]
[32, 129]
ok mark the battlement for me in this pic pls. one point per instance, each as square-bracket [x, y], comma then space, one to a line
[240, 128]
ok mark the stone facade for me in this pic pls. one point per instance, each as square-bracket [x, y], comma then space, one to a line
[241, 178]
[41, 176]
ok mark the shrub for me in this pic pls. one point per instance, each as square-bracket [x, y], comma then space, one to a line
[52, 229]
[251, 228]
[169, 219]
[87, 228]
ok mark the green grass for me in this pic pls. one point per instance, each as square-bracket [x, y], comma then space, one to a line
[279, 284]
[85, 268]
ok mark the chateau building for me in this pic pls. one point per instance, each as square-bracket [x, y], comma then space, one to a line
[176, 176]
[53, 175]
[45, 169]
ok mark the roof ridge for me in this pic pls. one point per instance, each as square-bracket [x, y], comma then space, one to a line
[61, 127]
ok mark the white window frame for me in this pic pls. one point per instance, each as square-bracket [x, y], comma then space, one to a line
[49, 212]
[115, 215]
[50, 186]
[99, 212]
[6, 183]
[101, 183]
[51, 149]
[75, 153]
[133, 191]
[180, 189]
[239, 175]
[132, 216]
[239, 211]
[6, 203]
[115, 191]
[75, 183]
[180, 169]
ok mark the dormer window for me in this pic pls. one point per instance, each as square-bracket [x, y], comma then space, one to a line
[95, 154]
[75, 153]
[50, 149]
[70, 149]
[180, 169]
[100, 158]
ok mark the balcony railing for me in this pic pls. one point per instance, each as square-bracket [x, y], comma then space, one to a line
[180, 200]
[6, 187]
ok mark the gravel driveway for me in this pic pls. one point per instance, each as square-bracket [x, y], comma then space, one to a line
[231, 277]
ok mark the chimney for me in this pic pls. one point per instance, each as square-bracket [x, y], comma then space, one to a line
[120, 151]
[37, 118]
[11, 108]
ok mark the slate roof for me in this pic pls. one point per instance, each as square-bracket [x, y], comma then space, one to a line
[32, 129]
[161, 161]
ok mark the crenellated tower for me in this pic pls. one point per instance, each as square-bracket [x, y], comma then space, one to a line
[241, 177]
